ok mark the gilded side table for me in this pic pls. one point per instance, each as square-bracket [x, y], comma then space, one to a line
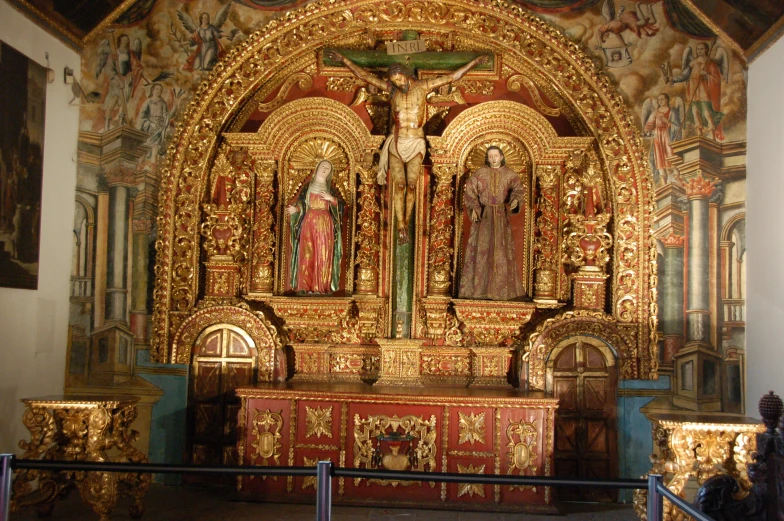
[80, 428]
[694, 446]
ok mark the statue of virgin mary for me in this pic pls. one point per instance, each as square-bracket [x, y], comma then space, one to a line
[316, 239]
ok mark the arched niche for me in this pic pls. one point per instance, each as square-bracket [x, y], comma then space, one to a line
[552, 334]
[291, 141]
[531, 48]
[522, 129]
[263, 335]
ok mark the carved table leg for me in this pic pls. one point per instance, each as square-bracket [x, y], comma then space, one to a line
[136, 484]
[99, 489]
[41, 424]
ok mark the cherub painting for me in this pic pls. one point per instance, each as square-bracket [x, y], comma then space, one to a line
[662, 120]
[610, 34]
[205, 38]
[703, 75]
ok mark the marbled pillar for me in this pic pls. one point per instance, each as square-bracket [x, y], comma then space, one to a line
[671, 303]
[699, 191]
[119, 181]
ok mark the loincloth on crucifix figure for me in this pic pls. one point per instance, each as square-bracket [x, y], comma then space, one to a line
[404, 149]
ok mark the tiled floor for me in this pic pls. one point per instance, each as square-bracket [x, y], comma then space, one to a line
[189, 503]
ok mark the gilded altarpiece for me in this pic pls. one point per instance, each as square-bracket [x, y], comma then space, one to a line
[251, 148]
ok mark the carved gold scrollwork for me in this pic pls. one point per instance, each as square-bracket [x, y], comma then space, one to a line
[441, 226]
[522, 438]
[470, 488]
[587, 242]
[514, 84]
[227, 214]
[303, 80]
[367, 260]
[378, 441]
[311, 481]
[471, 428]
[266, 432]
[81, 429]
[318, 421]
[525, 41]
[546, 237]
[263, 268]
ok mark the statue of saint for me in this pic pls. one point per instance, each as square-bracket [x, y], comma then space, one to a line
[489, 266]
[404, 149]
[316, 239]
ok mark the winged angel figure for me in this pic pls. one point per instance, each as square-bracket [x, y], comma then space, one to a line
[703, 75]
[610, 34]
[205, 37]
[662, 120]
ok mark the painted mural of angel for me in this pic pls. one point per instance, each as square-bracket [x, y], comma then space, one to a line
[662, 120]
[610, 34]
[703, 75]
[121, 62]
[205, 38]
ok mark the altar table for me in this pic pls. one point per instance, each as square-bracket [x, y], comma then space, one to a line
[693, 446]
[80, 428]
[428, 429]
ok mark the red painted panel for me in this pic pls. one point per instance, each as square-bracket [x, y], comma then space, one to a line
[522, 447]
[267, 435]
[391, 491]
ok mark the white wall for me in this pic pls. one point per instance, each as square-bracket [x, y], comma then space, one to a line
[34, 324]
[765, 228]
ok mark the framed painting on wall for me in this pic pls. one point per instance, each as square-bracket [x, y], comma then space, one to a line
[22, 109]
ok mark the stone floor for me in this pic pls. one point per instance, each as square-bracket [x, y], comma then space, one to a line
[164, 503]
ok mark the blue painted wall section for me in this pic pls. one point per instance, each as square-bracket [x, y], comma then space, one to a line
[167, 430]
[635, 442]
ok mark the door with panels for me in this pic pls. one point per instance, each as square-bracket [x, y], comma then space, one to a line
[224, 358]
[581, 372]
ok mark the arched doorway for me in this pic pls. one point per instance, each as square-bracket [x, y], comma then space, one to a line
[581, 371]
[224, 358]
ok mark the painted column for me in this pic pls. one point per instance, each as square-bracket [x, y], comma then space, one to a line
[713, 255]
[101, 242]
[120, 181]
[671, 302]
[699, 190]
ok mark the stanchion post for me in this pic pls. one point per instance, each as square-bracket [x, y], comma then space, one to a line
[6, 461]
[324, 491]
[655, 500]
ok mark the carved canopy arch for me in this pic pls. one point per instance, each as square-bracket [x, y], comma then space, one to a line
[264, 334]
[525, 41]
[520, 122]
[554, 332]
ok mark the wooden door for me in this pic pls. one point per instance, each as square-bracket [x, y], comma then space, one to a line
[224, 359]
[585, 422]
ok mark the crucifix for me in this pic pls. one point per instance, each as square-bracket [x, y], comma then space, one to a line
[404, 149]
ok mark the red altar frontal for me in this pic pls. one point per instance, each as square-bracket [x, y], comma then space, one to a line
[471, 431]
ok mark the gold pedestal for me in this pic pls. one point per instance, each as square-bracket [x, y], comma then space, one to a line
[696, 447]
[80, 428]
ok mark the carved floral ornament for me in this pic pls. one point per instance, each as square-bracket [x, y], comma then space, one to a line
[526, 45]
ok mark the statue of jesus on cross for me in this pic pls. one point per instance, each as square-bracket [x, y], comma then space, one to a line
[404, 149]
